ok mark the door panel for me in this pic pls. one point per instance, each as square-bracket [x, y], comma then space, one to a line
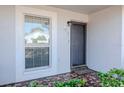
[77, 45]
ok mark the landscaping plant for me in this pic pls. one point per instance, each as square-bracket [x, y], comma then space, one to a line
[34, 84]
[71, 83]
[117, 73]
[113, 78]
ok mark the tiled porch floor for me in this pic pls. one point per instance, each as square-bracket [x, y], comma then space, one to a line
[80, 73]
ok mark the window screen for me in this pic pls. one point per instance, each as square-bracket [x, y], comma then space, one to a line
[36, 41]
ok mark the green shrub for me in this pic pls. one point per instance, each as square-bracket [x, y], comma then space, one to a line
[117, 73]
[34, 84]
[71, 83]
[113, 78]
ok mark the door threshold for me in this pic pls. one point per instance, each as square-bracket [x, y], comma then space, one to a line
[78, 66]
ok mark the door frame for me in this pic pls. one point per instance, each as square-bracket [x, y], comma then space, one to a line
[85, 40]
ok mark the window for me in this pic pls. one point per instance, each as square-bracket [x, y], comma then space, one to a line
[37, 41]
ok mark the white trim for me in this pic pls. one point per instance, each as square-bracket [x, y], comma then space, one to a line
[36, 68]
[21, 74]
[122, 40]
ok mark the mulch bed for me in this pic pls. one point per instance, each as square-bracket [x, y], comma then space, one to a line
[90, 76]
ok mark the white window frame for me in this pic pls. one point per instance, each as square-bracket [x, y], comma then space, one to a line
[50, 44]
[21, 73]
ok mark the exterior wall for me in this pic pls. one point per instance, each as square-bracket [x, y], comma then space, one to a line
[104, 39]
[64, 34]
[8, 49]
[7, 45]
[122, 39]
